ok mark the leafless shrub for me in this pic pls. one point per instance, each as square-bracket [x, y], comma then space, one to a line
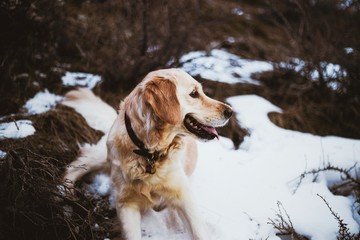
[349, 181]
[350, 184]
[344, 231]
[283, 222]
[284, 225]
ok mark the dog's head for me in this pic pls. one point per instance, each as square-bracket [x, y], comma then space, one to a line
[179, 101]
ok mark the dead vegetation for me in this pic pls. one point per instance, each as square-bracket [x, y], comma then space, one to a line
[344, 231]
[122, 41]
[319, 33]
[348, 184]
[283, 224]
[31, 200]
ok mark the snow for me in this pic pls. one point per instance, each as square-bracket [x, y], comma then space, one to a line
[231, 40]
[238, 11]
[2, 154]
[16, 129]
[81, 79]
[329, 71]
[258, 178]
[152, 49]
[349, 50]
[238, 191]
[42, 102]
[219, 65]
[346, 4]
[101, 185]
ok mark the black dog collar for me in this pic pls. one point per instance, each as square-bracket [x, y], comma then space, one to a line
[151, 158]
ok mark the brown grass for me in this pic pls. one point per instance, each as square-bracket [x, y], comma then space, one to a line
[31, 203]
[308, 107]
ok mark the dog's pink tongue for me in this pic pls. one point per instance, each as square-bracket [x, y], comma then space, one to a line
[211, 131]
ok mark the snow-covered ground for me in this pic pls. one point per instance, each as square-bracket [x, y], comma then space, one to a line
[42, 102]
[329, 72]
[80, 79]
[222, 66]
[239, 191]
[16, 129]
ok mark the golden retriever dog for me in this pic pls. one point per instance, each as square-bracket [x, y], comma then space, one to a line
[151, 147]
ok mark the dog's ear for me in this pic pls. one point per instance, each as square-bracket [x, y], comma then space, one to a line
[160, 93]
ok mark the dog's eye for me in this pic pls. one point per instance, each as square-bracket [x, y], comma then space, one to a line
[194, 94]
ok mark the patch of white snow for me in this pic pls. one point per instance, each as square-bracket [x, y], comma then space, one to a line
[17, 129]
[219, 65]
[349, 50]
[2, 154]
[42, 102]
[101, 185]
[238, 11]
[80, 79]
[329, 71]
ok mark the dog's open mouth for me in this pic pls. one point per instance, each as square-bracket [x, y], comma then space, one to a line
[200, 130]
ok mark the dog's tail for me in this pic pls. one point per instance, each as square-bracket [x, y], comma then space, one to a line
[98, 115]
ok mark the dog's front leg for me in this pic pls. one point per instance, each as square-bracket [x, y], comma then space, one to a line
[130, 218]
[190, 216]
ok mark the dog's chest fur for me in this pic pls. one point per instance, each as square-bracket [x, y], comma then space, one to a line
[149, 190]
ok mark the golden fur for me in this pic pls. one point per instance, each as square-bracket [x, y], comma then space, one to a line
[157, 108]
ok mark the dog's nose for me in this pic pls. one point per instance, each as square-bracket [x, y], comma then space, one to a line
[228, 112]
